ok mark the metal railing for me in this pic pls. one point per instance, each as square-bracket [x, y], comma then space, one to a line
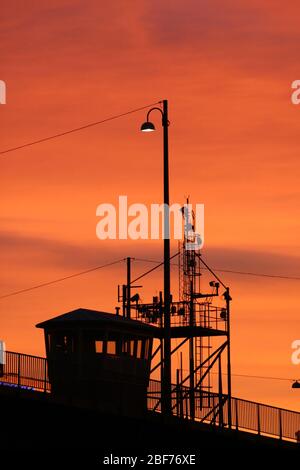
[213, 408]
[206, 315]
[30, 372]
[24, 371]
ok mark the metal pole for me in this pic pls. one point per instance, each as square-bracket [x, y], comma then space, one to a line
[280, 425]
[128, 292]
[177, 391]
[124, 294]
[180, 388]
[228, 299]
[167, 404]
[220, 393]
[191, 354]
[19, 370]
[162, 368]
[258, 419]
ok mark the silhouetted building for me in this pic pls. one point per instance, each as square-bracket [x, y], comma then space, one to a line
[100, 360]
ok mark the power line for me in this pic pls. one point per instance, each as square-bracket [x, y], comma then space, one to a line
[244, 273]
[211, 271]
[262, 377]
[153, 269]
[141, 276]
[249, 376]
[44, 284]
[76, 129]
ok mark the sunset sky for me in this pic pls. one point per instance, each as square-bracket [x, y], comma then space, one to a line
[226, 68]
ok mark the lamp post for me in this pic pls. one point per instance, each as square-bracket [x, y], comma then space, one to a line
[148, 126]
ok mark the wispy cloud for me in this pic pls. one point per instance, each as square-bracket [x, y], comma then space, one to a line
[34, 251]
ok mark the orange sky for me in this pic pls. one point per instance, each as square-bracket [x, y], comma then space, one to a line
[226, 70]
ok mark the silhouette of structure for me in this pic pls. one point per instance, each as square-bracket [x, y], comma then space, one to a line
[100, 366]
[99, 360]
[201, 322]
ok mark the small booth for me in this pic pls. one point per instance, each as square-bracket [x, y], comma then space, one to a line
[99, 360]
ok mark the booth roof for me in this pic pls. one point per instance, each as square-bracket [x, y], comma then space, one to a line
[87, 317]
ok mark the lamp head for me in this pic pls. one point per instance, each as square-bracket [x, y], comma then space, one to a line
[147, 127]
[296, 384]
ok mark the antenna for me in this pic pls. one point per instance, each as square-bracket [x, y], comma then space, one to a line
[200, 319]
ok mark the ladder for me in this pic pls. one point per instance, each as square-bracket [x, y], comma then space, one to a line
[202, 350]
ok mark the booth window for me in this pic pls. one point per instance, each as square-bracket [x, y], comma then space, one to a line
[146, 350]
[139, 349]
[99, 346]
[128, 347]
[111, 347]
[61, 343]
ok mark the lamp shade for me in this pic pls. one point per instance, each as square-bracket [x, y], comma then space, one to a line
[147, 127]
[296, 384]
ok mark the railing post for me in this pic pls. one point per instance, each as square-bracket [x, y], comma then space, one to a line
[177, 392]
[280, 424]
[187, 401]
[236, 415]
[45, 376]
[181, 404]
[19, 370]
[258, 420]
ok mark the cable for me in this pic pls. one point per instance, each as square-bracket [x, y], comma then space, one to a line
[262, 377]
[249, 376]
[60, 280]
[76, 129]
[244, 273]
[153, 269]
[147, 272]
[210, 270]
[293, 278]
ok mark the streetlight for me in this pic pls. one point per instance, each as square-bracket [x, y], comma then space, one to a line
[148, 126]
[166, 343]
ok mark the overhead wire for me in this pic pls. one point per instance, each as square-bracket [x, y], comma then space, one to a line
[76, 129]
[249, 376]
[159, 264]
[55, 281]
[245, 273]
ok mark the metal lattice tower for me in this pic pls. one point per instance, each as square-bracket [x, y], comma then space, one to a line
[201, 321]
